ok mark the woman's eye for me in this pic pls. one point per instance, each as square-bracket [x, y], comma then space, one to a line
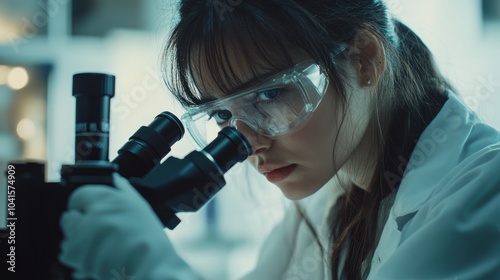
[221, 116]
[268, 94]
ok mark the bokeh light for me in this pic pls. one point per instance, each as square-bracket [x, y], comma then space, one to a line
[26, 129]
[17, 78]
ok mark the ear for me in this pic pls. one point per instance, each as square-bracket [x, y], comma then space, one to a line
[368, 57]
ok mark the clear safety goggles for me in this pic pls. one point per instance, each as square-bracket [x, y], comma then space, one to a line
[278, 106]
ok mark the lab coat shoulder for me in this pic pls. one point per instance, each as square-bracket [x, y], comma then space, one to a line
[455, 232]
[456, 235]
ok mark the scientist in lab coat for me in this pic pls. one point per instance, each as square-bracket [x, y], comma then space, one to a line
[393, 177]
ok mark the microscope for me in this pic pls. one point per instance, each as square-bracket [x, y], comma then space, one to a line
[30, 244]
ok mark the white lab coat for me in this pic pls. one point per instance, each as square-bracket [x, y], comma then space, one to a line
[444, 222]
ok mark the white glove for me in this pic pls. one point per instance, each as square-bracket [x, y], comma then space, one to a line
[113, 233]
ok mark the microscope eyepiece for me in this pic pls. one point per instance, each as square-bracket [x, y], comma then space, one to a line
[145, 149]
[229, 148]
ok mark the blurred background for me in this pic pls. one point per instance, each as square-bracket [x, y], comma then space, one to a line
[44, 42]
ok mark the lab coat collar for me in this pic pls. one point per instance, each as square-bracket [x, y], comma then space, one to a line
[435, 154]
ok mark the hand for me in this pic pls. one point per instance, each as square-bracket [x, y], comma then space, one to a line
[113, 231]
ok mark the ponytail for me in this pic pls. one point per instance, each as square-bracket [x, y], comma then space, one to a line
[418, 90]
[419, 61]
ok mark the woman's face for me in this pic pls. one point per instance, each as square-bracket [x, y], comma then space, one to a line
[300, 163]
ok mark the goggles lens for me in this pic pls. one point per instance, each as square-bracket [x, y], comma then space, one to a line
[278, 106]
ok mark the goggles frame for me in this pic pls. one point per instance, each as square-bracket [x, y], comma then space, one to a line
[307, 76]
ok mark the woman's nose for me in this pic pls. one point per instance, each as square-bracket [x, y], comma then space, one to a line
[259, 142]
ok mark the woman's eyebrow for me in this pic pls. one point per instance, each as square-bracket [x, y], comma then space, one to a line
[254, 81]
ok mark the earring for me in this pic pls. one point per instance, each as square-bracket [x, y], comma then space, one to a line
[369, 82]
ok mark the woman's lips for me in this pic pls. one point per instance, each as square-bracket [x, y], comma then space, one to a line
[279, 174]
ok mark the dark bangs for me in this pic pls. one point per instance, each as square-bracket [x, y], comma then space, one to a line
[212, 42]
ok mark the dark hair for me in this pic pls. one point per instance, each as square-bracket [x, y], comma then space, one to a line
[267, 32]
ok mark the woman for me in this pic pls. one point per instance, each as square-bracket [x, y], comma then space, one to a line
[326, 90]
